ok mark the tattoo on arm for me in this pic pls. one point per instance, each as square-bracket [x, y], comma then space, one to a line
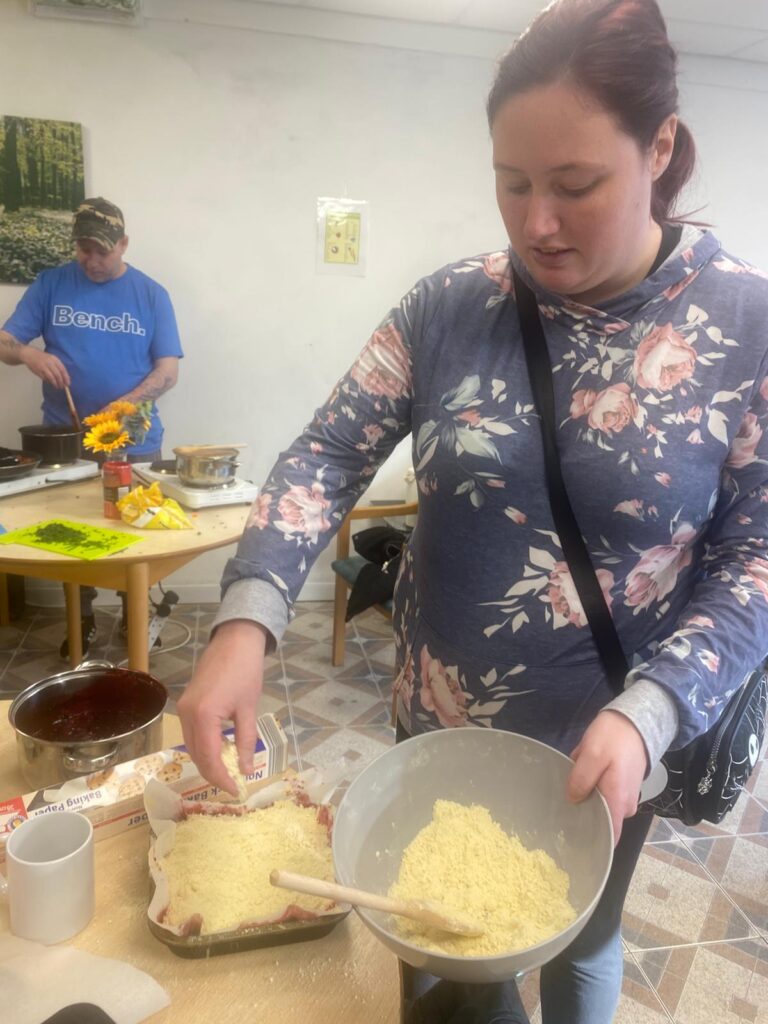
[156, 383]
[10, 349]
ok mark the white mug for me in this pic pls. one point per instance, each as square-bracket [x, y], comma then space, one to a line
[50, 876]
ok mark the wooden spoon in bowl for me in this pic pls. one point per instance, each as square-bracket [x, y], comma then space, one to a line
[426, 911]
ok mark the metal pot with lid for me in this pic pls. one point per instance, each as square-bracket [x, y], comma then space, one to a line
[86, 720]
[206, 465]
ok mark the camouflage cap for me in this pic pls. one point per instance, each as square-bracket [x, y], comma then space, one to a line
[99, 220]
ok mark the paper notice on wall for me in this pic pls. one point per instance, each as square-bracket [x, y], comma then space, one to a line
[342, 236]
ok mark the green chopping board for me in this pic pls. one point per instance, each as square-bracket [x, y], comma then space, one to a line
[67, 538]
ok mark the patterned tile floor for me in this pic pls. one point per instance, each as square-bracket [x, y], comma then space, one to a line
[696, 919]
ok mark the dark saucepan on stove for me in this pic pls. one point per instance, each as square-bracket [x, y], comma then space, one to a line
[166, 466]
[56, 445]
[15, 464]
[86, 720]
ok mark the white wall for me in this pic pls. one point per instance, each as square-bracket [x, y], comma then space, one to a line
[725, 104]
[216, 137]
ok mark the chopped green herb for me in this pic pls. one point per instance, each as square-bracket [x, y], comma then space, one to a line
[58, 533]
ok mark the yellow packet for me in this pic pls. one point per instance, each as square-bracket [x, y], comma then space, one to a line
[148, 509]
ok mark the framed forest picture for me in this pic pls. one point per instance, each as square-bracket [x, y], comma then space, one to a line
[41, 184]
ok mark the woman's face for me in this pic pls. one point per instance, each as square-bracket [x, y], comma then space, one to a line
[574, 192]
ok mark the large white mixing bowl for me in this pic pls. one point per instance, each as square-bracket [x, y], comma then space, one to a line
[522, 783]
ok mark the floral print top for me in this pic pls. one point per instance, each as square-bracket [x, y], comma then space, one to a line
[662, 412]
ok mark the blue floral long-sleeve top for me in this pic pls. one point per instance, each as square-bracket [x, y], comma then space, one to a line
[662, 412]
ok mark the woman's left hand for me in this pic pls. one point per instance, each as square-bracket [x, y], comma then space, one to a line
[612, 757]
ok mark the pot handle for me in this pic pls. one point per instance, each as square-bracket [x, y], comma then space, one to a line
[84, 764]
[94, 663]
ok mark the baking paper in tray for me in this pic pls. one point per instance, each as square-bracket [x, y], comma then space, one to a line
[165, 809]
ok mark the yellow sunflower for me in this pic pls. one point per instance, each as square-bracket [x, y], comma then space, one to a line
[121, 408]
[107, 436]
[97, 417]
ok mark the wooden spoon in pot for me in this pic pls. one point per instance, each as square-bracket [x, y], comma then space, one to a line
[426, 911]
[72, 410]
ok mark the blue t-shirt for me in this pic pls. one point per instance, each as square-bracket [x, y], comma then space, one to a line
[108, 335]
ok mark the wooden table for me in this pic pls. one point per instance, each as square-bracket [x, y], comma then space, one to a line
[135, 570]
[348, 977]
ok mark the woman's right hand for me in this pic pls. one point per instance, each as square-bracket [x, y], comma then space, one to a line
[226, 685]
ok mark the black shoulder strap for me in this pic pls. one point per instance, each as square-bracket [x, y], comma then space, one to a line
[575, 550]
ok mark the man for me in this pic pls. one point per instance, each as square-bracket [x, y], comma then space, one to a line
[109, 333]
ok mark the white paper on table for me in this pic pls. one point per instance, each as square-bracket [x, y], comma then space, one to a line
[38, 981]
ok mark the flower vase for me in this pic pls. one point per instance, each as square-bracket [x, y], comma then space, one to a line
[116, 482]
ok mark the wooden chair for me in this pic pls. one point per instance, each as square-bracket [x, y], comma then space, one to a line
[5, 601]
[347, 568]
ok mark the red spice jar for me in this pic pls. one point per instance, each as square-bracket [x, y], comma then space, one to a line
[116, 481]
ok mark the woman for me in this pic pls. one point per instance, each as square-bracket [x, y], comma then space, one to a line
[659, 369]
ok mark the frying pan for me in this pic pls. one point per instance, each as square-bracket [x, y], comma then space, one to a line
[15, 464]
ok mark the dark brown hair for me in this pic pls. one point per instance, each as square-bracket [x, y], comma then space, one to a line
[618, 52]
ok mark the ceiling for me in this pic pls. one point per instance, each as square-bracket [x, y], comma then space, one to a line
[737, 30]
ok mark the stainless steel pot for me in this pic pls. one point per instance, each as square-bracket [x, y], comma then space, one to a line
[86, 720]
[214, 469]
[57, 445]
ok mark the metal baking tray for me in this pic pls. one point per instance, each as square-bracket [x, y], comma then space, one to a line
[216, 943]
[245, 937]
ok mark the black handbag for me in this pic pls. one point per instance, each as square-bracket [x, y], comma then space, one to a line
[382, 546]
[705, 777]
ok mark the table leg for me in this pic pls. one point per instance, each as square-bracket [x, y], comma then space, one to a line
[74, 636]
[138, 615]
[5, 601]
